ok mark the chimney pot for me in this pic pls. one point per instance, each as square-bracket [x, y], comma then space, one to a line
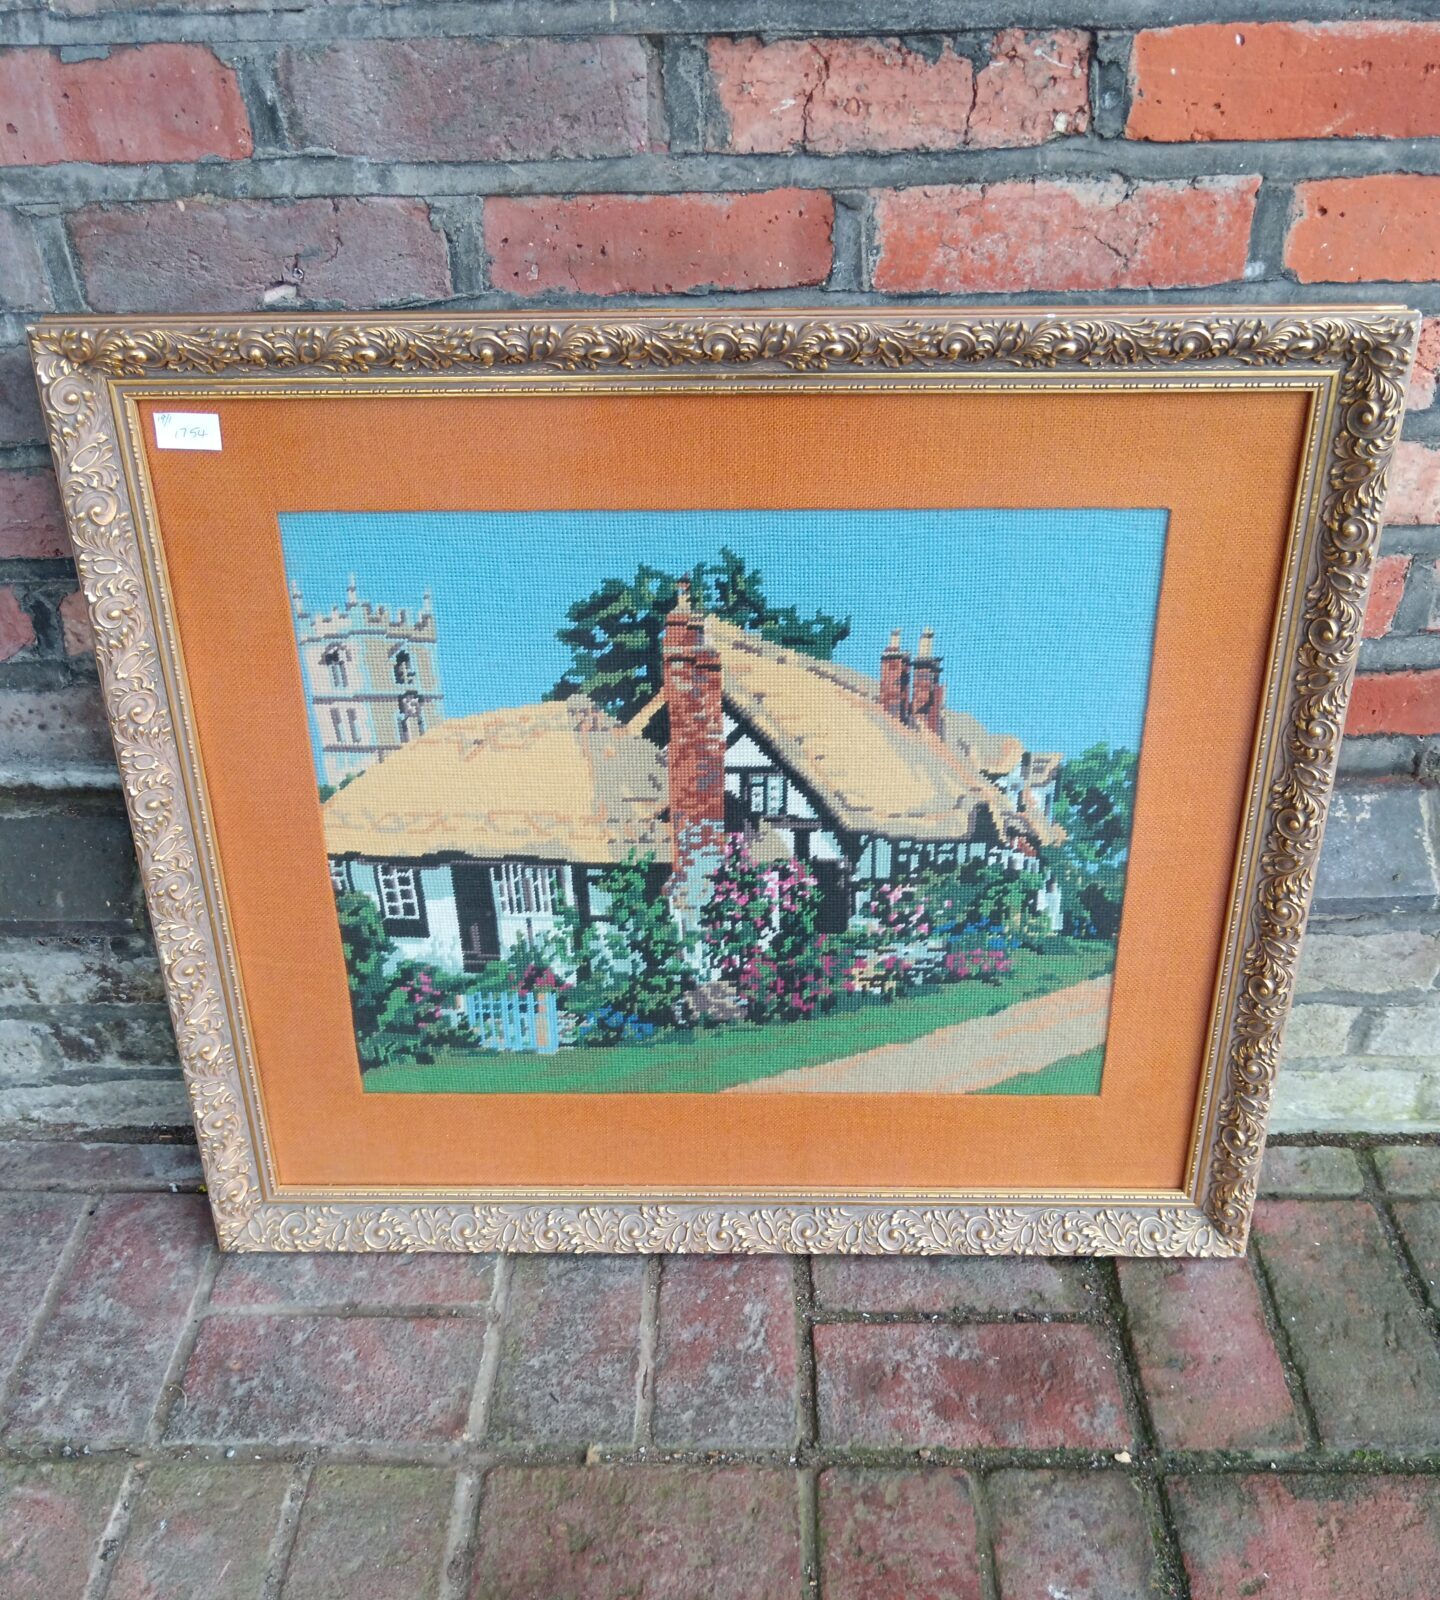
[895, 680]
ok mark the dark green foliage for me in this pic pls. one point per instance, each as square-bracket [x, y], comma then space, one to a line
[616, 633]
[632, 963]
[1095, 804]
[402, 1009]
[329, 789]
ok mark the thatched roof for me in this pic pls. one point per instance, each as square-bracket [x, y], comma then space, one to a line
[560, 782]
[873, 773]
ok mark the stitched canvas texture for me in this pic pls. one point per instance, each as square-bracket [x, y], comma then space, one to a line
[727, 801]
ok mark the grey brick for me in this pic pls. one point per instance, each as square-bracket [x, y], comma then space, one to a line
[1384, 1095]
[1369, 963]
[67, 868]
[1404, 1031]
[1310, 1170]
[1316, 1029]
[1377, 850]
[54, 972]
[1410, 1169]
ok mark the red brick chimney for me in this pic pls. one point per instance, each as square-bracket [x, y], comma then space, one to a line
[895, 679]
[696, 755]
[927, 698]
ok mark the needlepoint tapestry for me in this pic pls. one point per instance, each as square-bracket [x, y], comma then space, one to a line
[730, 801]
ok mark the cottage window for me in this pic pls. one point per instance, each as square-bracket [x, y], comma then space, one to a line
[354, 727]
[339, 875]
[526, 891]
[766, 794]
[402, 902]
[339, 724]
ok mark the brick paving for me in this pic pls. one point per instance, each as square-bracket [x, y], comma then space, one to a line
[477, 1429]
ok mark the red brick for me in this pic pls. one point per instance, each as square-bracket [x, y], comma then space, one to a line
[1414, 495]
[1299, 1538]
[247, 1281]
[1395, 702]
[667, 1533]
[1346, 1311]
[51, 1519]
[1083, 1536]
[948, 1284]
[20, 420]
[1210, 1369]
[1387, 588]
[1286, 80]
[833, 95]
[23, 286]
[898, 1536]
[837, 95]
[17, 630]
[201, 255]
[95, 1374]
[1420, 1223]
[1020, 1386]
[200, 1529]
[570, 1351]
[1082, 234]
[56, 1165]
[32, 525]
[659, 244]
[328, 1380]
[1420, 395]
[1035, 87]
[154, 102]
[1348, 230]
[33, 1231]
[377, 1532]
[462, 99]
[75, 629]
[726, 1361]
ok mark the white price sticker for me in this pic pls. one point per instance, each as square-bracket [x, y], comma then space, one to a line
[187, 430]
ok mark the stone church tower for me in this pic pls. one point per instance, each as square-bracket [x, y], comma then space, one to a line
[370, 676]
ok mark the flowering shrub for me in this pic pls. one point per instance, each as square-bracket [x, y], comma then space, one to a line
[403, 1010]
[901, 913]
[759, 931]
[987, 964]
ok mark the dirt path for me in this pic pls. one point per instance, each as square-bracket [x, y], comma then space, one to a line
[967, 1055]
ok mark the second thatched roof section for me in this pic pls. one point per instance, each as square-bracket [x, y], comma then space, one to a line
[560, 782]
[872, 772]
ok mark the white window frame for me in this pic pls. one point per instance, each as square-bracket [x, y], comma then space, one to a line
[526, 889]
[399, 887]
[339, 875]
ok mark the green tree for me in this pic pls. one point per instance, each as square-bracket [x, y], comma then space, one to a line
[1095, 804]
[632, 960]
[616, 633]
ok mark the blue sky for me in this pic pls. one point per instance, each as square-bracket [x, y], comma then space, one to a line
[1045, 619]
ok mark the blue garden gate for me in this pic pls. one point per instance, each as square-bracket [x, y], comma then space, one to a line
[511, 1021]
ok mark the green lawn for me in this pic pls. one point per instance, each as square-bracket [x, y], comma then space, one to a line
[700, 1061]
[1074, 1075]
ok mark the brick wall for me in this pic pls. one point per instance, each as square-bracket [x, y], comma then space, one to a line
[230, 156]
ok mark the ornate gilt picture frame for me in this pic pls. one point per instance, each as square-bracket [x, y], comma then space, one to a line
[920, 721]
